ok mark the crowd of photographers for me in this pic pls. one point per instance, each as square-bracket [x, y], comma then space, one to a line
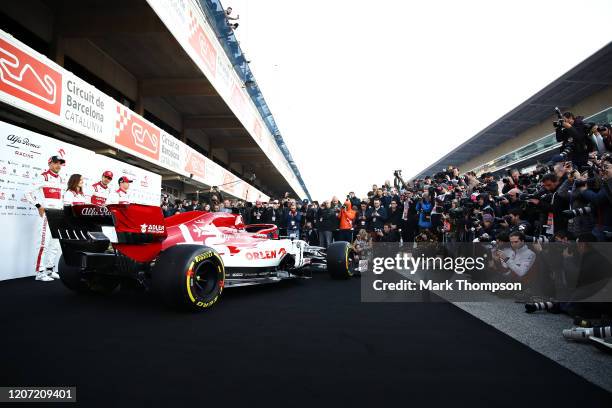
[567, 200]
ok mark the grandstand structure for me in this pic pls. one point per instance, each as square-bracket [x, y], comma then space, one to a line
[172, 67]
[524, 136]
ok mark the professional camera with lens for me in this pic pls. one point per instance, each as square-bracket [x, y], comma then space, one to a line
[540, 194]
[557, 124]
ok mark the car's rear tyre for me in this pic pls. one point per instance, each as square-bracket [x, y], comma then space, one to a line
[71, 277]
[340, 260]
[188, 277]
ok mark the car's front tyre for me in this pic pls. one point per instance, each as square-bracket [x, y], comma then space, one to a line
[340, 260]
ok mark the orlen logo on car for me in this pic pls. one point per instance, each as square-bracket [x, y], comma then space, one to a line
[28, 79]
[152, 229]
[136, 134]
[270, 254]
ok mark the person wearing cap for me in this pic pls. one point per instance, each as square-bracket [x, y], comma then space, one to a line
[346, 217]
[354, 200]
[487, 229]
[47, 193]
[100, 190]
[121, 195]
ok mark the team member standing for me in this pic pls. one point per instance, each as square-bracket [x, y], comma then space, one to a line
[47, 193]
[74, 194]
[101, 190]
[121, 196]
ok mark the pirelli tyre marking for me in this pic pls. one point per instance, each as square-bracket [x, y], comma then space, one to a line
[195, 280]
[348, 268]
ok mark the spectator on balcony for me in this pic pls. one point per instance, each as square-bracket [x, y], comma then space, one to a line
[228, 14]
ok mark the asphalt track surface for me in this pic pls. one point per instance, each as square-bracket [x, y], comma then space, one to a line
[308, 343]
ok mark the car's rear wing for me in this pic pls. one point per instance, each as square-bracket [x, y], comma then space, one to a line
[117, 223]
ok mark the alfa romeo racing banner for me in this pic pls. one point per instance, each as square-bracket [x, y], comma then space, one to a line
[24, 155]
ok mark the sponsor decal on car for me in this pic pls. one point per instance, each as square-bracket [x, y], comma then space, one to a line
[268, 254]
[94, 211]
[152, 229]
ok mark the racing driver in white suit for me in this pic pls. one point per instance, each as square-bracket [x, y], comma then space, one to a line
[121, 196]
[47, 193]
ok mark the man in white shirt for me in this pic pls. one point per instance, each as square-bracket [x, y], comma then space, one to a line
[121, 195]
[101, 190]
[47, 193]
[520, 260]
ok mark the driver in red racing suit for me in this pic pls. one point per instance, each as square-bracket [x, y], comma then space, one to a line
[47, 193]
[121, 196]
[101, 190]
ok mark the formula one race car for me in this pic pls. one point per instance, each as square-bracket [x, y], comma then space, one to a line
[187, 259]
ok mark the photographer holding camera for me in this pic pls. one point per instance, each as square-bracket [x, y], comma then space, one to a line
[601, 200]
[514, 223]
[387, 234]
[549, 204]
[571, 132]
[511, 181]
[346, 217]
[378, 216]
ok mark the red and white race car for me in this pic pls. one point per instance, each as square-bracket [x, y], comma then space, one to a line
[188, 259]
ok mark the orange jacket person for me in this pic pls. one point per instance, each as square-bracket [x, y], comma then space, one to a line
[346, 215]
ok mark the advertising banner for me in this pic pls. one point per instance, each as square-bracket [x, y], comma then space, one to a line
[27, 81]
[199, 41]
[136, 134]
[24, 155]
[33, 83]
[87, 110]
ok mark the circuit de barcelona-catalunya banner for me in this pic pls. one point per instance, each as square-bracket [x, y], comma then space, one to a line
[32, 83]
[24, 155]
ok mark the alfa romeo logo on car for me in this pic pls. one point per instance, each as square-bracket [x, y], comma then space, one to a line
[94, 211]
